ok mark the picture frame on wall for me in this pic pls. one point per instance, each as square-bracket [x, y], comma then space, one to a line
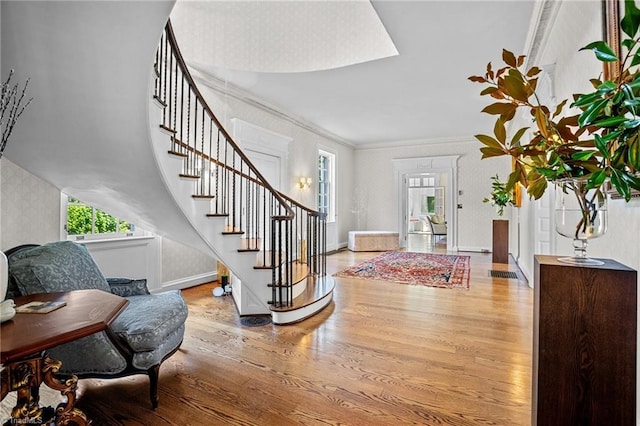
[611, 15]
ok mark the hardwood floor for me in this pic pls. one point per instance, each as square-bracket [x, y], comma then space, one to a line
[380, 354]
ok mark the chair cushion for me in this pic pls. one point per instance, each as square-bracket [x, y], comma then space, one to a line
[149, 319]
[57, 266]
[127, 287]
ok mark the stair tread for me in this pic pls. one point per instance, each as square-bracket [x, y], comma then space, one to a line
[317, 289]
[168, 129]
[178, 154]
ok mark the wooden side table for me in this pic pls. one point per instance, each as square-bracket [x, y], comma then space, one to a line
[584, 343]
[25, 339]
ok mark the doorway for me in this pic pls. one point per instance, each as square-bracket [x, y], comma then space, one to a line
[419, 174]
[426, 221]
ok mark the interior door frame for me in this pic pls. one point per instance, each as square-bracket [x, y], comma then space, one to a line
[447, 165]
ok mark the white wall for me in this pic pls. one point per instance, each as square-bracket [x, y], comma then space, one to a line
[374, 174]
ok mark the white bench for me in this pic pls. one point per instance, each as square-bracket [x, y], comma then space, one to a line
[373, 240]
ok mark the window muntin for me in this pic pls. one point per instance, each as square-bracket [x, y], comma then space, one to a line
[326, 184]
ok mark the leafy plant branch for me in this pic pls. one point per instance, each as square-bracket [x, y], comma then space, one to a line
[11, 108]
[600, 144]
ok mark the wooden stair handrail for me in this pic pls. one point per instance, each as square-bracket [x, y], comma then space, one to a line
[185, 71]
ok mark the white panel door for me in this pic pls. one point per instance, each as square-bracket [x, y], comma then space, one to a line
[544, 224]
[267, 165]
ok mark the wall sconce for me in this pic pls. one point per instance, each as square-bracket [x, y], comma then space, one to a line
[304, 183]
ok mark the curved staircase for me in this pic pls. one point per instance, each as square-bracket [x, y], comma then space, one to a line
[140, 142]
[274, 245]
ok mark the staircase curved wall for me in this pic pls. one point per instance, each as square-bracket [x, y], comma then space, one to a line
[87, 129]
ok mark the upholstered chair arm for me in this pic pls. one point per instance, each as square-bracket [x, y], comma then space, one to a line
[126, 287]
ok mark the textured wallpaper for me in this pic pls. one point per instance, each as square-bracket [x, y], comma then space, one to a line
[179, 261]
[29, 208]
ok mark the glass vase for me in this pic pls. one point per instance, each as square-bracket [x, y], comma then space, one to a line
[581, 214]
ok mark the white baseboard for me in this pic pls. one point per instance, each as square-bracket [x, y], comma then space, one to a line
[527, 274]
[187, 282]
[475, 249]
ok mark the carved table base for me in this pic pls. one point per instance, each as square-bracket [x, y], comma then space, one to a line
[25, 376]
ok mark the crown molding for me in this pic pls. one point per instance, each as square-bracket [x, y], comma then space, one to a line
[414, 143]
[542, 21]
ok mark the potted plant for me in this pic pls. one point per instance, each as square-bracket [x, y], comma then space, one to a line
[582, 153]
[500, 196]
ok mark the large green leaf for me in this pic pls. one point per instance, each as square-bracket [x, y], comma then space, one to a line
[631, 124]
[620, 184]
[587, 99]
[602, 146]
[634, 152]
[610, 121]
[607, 87]
[631, 103]
[631, 20]
[597, 179]
[592, 112]
[633, 181]
[602, 50]
[610, 136]
[582, 155]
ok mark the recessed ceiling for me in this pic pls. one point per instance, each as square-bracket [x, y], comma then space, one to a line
[280, 36]
[419, 95]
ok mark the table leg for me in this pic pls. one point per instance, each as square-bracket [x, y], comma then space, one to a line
[65, 413]
[25, 377]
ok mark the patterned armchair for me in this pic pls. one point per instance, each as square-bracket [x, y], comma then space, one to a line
[148, 331]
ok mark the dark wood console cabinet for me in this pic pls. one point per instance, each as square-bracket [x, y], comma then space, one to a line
[500, 247]
[584, 344]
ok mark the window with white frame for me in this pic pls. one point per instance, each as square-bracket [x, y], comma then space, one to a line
[326, 184]
[85, 221]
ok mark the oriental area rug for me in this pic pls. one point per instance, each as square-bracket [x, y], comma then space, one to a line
[426, 269]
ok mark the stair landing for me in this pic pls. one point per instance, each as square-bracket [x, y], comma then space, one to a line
[317, 294]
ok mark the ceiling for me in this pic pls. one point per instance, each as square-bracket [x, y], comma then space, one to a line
[421, 94]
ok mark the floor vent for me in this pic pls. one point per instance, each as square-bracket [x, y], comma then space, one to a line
[503, 274]
[256, 321]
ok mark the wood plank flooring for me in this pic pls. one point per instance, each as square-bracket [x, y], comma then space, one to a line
[379, 354]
